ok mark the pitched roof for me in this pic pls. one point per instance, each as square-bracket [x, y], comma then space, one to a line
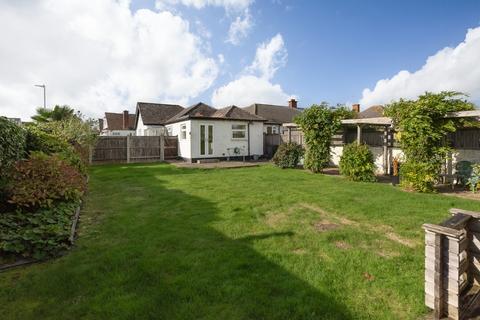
[204, 111]
[156, 113]
[115, 121]
[372, 112]
[273, 113]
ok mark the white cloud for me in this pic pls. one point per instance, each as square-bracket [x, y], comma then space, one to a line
[247, 90]
[269, 57]
[240, 28]
[229, 5]
[255, 84]
[449, 69]
[97, 56]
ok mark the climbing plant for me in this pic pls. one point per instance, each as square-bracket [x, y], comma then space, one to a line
[319, 123]
[421, 128]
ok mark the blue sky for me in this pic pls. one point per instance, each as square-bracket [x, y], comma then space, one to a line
[338, 48]
[109, 54]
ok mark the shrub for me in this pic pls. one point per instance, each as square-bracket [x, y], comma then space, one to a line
[43, 179]
[418, 176]
[357, 164]
[40, 141]
[12, 145]
[288, 155]
[474, 180]
[39, 234]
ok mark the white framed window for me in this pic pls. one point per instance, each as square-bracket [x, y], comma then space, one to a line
[169, 131]
[275, 129]
[239, 131]
[183, 131]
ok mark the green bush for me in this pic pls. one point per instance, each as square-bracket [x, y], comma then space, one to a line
[357, 164]
[12, 145]
[474, 179]
[40, 234]
[40, 141]
[288, 155]
[419, 176]
[42, 180]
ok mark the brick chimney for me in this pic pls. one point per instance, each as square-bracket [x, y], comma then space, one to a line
[100, 124]
[125, 120]
[356, 107]
[292, 103]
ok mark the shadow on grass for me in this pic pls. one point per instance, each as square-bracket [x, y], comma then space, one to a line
[157, 256]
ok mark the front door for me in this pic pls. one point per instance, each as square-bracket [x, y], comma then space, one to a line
[206, 139]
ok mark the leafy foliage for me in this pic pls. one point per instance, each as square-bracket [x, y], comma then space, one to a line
[42, 180]
[39, 234]
[12, 148]
[12, 145]
[474, 180]
[357, 163]
[58, 113]
[41, 141]
[422, 129]
[288, 155]
[319, 123]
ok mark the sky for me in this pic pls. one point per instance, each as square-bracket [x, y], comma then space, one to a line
[106, 55]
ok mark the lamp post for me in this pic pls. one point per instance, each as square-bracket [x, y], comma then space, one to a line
[44, 94]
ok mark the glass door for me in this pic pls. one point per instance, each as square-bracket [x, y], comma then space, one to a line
[206, 139]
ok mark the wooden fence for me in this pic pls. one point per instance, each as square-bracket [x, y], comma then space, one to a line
[134, 149]
[452, 265]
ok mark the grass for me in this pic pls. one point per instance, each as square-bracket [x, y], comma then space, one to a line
[253, 243]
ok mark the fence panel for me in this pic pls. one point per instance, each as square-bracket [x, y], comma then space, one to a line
[110, 149]
[134, 149]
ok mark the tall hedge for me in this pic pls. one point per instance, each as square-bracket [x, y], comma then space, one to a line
[12, 145]
[319, 123]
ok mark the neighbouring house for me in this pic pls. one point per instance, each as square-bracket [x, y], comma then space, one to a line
[150, 118]
[117, 124]
[275, 115]
[205, 132]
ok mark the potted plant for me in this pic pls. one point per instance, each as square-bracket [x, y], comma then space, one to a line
[396, 169]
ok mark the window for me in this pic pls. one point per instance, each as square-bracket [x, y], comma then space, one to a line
[169, 131]
[239, 131]
[275, 129]
[183, 131]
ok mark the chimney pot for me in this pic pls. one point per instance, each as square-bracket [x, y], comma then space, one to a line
[356, 107]
[292, 104]
[125, 120]
[100, 124]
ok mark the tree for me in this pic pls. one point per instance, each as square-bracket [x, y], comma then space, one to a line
[58, 113]
[422, 128]
[319, 123]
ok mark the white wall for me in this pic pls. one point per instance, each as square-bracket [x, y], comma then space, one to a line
[223, 143]
[184, 145]
[148, 130]
[459, 155]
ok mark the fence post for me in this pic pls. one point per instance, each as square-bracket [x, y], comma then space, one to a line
[162, 147]
[128, 149]
[90, 154]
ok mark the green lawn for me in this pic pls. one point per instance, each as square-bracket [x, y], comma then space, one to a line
[253, 243]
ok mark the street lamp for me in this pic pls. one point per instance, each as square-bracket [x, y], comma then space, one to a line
[44, 94]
